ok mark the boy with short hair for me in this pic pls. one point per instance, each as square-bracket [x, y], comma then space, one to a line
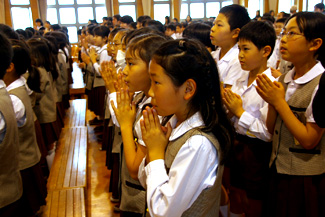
[171, 31]
[275, 58]
[249, 167]
[10, 179]
[224, 34]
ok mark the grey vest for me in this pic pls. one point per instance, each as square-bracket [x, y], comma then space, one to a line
[45, 108]
[133, 194]
[29, 153]
[208, 202]
[289, 156]
[98, 80]
[10, 180]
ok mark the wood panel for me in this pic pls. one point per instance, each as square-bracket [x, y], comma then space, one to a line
[76, 114]
[7, 13]
[70, 162]
[66, 202]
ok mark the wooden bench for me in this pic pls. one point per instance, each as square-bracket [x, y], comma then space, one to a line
[70, 162]
[76, 114]
[65, 202]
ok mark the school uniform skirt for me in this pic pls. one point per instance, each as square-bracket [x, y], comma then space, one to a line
[249, 166]
[50, 133]
[296, 196]
[34, 190]
[99, 100]
[42, 147]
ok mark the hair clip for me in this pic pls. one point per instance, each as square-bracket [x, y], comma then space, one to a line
[181, 43]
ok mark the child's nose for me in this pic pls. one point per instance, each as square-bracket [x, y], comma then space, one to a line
[150, 92]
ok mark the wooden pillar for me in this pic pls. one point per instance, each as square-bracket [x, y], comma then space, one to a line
[266, 6]
[246, 4]
[152, 14]
[35, 10]
[300, 5]
[2, 12]
[139, 8]
[116, 9]
[8, 13]
[277, 7]
[109, 8]
[176, 9]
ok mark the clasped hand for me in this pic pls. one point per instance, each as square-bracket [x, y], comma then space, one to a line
[233, 102]
[155, 136]
[272, 92]
[125, 111]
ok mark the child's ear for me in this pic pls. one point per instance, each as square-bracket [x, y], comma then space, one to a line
[190, 89]
[235, 33]
[267, 51]
[11, 68]
[315, 44]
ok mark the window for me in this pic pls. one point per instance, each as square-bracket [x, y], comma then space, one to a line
[285, 5]
[255, 5]
[308, 5]
[202, 9]
[161, 9]
[127, 7]
[19, 9]
[74, 14]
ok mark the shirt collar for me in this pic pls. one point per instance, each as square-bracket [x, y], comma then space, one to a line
[268, 73]
[2, 84]
[17, 83]
[311, 74]
[229, 55]
[190, 123]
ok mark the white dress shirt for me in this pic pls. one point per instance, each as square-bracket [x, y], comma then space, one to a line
[228, 66]
[18, 105]
[103, 56]
[252, 122]
[145, 100]
[2, 120]
[294, 84]
[272, 61]
[193, 170]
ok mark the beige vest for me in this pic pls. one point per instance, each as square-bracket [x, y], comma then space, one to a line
[98, 80]
[208, 202]
[133, 194]
[11, 187]
[63, 66]
[45, 108]
[29, 153]
[289, 156]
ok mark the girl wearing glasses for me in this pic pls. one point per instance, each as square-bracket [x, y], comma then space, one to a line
[298, 155]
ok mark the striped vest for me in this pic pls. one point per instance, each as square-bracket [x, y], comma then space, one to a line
[208, 202]
[289, 156]
[29, 153]
[10, 180]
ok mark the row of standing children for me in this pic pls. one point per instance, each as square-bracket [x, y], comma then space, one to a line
[168, 155]
[282, 178]
[36, 84]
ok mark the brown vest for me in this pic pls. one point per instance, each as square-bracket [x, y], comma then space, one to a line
[29, 153]
[289, 156]
[208, 202]
[45, 108]
[11, 187]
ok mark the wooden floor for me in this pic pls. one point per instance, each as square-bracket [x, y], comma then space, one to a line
[98, 203]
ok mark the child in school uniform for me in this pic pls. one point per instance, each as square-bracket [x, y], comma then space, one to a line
[127, 112]
[224, 34]
[100, 40]
[298, 154]
[183, 167]
[252, 149]
[34, 186]
[275, 59]
[10, 179]
[45, 106]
